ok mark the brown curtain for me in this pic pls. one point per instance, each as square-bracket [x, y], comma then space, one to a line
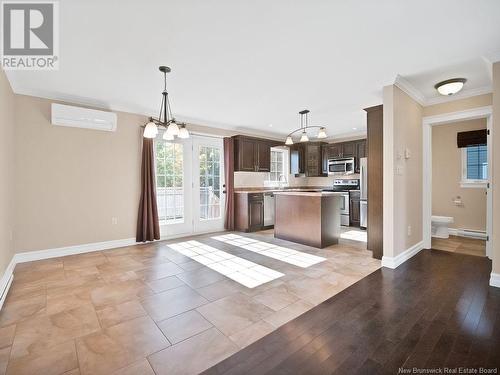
[472, 138]
[148, 226]
[229, 186]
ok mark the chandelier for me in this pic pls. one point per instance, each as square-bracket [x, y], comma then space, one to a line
[165, 119]
[304, 127]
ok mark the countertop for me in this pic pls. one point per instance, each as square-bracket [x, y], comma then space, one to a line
[309, 193]
[275, 190]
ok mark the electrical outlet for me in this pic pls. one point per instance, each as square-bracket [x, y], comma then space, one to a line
[114, 220]
[409, 230]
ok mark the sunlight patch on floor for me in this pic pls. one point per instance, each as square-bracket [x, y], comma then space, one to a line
[354, 235]
[238, 269]
[281, 253]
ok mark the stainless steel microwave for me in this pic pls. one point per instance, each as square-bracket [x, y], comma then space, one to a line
[340, 166]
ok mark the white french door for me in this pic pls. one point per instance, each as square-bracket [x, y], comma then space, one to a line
[208, 179]
[189, 180]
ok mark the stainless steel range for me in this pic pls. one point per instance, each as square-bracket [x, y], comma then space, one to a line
[344, 186]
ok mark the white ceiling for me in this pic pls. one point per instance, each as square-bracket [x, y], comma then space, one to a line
[248, 64]
[477, 71]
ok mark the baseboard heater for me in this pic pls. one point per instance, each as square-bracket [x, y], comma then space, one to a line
[468, 233]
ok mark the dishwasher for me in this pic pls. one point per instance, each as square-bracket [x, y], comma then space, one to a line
[268, 209]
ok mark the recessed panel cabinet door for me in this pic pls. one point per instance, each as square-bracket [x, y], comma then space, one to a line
[348, 150]
[335, 150]
[246, 155]
[263, 157]
[255, 215]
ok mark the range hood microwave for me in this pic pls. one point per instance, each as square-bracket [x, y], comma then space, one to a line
[340, 166]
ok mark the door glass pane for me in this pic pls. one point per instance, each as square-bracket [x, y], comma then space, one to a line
[169, 182]
[209, 158]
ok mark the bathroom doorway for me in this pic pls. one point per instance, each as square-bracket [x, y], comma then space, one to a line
[457, 188]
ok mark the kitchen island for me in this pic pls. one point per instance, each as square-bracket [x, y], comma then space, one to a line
[310, 218]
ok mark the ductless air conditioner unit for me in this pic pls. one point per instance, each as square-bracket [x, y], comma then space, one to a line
[77, 117]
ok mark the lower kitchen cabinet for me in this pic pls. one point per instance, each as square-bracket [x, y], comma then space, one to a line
[354, 209]
[249, 212]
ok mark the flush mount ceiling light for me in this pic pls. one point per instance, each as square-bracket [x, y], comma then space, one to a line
[304, 127]
[450, 86]
[165, 120]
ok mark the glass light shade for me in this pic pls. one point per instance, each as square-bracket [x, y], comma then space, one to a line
[289, 141]
[151, 130]
[304, 137]
[168, 137]
[451, 86]
[173, 129]
[322, 133]
[183, 132]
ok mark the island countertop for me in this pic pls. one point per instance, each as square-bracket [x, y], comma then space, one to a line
[308, 193]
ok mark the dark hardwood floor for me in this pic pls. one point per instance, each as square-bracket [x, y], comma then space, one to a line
[434, 311]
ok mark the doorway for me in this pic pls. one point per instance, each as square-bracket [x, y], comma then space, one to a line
[189, 178]
[445, 119]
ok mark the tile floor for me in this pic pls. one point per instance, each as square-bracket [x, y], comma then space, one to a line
[149, 308]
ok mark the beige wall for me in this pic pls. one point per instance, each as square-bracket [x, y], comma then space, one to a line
[70, 182]
[446, 176]
[458, 105]
[495, 140]
[7, 127]
[402, 177]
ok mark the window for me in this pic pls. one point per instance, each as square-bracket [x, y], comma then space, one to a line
[210, 159]
[474, 166]
[278, 165]
[169, 182]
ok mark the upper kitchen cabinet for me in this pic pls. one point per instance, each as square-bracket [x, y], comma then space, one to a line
[307, 159]
[297, 159]
[252, 154]
[348, 150]
[352, 149]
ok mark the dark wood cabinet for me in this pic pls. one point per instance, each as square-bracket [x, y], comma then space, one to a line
[252, 154]
[249, 212]
[360, 153]
[297, 159]
[313, 160]
[324, 159]
[348, 149]
[255, 213]
[307, 158]
[353, 149]
[354, 209]
[263, 156]
[245, 155]
[335, 150]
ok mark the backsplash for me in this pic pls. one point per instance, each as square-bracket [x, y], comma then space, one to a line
[257, 179]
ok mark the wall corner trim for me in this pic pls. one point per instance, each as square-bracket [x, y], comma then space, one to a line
[6, 281]
[495, 280]
[394, 262]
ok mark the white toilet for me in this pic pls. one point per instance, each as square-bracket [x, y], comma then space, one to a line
[440, 226]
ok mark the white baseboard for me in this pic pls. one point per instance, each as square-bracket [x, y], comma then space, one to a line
[30, 256]
[6, 281]
[495, 279]
[394, 262]
[467, 233]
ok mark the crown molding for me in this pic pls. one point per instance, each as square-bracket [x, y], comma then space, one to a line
[493, 57]
[416, 95]
[461, 95]
[409, 89]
